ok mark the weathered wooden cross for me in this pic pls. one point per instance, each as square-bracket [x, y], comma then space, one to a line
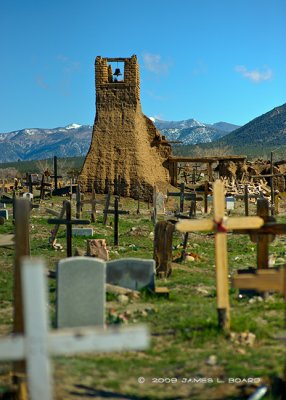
[39, 343]
[116, 213]
[263, 280]
[265, 234]
[220, 225]
[68, 221]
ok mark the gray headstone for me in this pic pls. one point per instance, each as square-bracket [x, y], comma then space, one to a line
[131, 273]
[82, 231]
[2, 205]
[4, 213]
[160, 203]
[80, 292]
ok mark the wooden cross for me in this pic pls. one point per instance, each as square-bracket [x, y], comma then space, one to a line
[39, 343]
[56, 176]
[93, 202]
[44, 187]
[116, 213]
[220, 225]
[180, 194]
[263, 280]
[265, 234]
[68, 222]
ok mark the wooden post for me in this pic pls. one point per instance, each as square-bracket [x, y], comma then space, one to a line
[56, 172]
[262, 239]
[163, 247]
[30, 183]
[210, 171]
[116, 220]
[22, 248]
[182, 193]
[68, 229]
[272, 184]
[206, 191]
[78, 202]
[221, 259]
[154, 210]
[246, 199]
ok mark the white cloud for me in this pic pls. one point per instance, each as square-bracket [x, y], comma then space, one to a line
[256, 75]
[154, 63]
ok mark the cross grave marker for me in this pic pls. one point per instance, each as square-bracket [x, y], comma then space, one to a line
[68, 222]
[220, 225]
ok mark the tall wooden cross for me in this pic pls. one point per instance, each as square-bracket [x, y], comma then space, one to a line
[220, 225]
[116, 213]
[68, 222]
[39, 343]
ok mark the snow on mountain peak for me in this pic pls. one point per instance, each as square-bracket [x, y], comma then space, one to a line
[73, 126]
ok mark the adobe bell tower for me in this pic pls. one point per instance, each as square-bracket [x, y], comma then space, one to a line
[124, 142]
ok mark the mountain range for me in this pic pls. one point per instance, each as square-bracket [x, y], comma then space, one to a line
[74, 140]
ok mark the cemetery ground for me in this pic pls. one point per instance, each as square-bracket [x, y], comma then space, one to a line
[189, 357]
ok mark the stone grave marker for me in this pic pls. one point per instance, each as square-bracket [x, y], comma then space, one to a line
[80, 292]
[160, 203]
[131, 273]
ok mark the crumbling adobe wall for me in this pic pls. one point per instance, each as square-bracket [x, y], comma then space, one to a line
[124, 142]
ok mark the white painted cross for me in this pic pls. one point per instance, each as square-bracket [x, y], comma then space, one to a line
[220, 225]
[39, 342]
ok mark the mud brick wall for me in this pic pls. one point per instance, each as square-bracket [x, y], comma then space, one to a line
[124, 141]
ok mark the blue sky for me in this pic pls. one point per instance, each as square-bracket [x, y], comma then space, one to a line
[212, 60]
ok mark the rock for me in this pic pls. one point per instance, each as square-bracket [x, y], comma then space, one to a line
[123, 299]
[211, 360]
[97, 248]
[190, 258]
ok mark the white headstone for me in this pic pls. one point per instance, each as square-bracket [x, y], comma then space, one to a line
[230, 203]
[80, 292]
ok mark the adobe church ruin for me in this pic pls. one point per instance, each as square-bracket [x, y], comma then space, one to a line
[124, 142]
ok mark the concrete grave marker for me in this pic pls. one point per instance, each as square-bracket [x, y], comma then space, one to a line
[160, 203]
[131, 273]
[82, 231]
[2, 205]
[80, 292]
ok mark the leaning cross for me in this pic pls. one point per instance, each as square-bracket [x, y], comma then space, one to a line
[39, 342]
[68, 222]
[220, 225]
